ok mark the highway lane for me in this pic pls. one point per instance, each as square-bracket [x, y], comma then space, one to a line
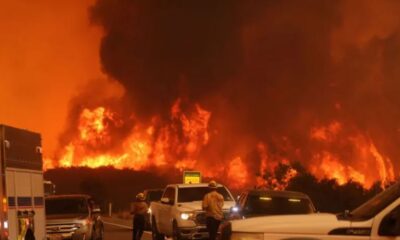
[118, 231]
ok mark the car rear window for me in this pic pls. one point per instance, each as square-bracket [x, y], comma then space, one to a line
[265, 205]
[59, 206]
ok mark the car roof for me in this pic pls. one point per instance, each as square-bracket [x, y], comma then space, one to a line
[181, 185]
[153, 190]
[68, 196]
[276, 193]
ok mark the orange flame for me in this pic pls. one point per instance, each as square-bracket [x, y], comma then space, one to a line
[143, 148]
[326, 133]
[327, 165]
[237, 173]
[367, 159]
[179, 143]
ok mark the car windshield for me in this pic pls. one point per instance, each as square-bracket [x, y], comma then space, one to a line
[191, 194]
[265, 205]
[57, 206]
[376, 204]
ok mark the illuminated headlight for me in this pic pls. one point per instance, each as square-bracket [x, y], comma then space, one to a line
[6, 224]
[186, 216]
[82, 224]
[235, 209]
[247, 236]
[85, 222]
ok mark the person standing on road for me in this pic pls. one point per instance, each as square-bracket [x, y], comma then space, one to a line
[139, 210]
[212, 204]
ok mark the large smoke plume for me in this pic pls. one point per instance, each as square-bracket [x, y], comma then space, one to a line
[302, 81]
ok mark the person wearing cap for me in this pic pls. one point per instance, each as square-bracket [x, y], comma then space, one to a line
[139, 210]
[212, 205]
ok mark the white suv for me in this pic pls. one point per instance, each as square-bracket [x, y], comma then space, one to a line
[73, 217]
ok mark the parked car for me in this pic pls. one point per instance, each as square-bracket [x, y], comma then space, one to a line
[151, 195]
[378, 218]
[255, 203]
[73, 217]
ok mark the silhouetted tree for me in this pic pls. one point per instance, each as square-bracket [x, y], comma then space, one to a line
[95, 188]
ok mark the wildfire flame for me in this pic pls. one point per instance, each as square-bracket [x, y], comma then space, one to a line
[179, 142]
[327, 164]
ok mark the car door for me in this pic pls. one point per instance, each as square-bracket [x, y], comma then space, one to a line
[164, 219]
[386, 225]
[242, 203]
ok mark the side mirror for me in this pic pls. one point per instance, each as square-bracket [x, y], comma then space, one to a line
[346, 213]
[166, 200]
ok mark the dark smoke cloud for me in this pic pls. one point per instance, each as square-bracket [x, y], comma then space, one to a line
[265, 69]
[161, 50]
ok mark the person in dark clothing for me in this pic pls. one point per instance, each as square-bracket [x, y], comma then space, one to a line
[29, 235]
[139, 210]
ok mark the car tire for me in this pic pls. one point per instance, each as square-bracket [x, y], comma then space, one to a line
[176, 235]
[154, 232]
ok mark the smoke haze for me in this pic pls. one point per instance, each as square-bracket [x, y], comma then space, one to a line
[255, 82]
[275, 72]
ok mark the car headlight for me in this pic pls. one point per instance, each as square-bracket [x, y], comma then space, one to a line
[247, 236]
[186, 216]
[235, 209]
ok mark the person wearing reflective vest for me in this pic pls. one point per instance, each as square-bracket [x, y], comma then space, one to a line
[212, 205]
[139, 210]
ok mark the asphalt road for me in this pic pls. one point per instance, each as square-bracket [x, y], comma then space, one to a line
[118, 231]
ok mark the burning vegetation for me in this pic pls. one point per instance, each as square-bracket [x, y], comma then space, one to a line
[235, 89]
[177, 144]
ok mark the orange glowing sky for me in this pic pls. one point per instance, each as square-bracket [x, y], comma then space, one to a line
[48, 51]
[319, 91]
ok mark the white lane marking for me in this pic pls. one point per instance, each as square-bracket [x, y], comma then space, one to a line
[117, 225]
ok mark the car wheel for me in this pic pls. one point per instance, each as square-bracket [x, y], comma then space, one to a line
[154, 232]
[176, 235]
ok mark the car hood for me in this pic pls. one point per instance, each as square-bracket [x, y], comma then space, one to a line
[318, 223]
[197, 206]
[62, 218]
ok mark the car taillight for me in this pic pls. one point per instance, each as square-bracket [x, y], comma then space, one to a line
[4, 224]
[5, 206]
[6, 234]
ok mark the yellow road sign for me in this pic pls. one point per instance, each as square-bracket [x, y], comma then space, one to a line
[191, 177]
